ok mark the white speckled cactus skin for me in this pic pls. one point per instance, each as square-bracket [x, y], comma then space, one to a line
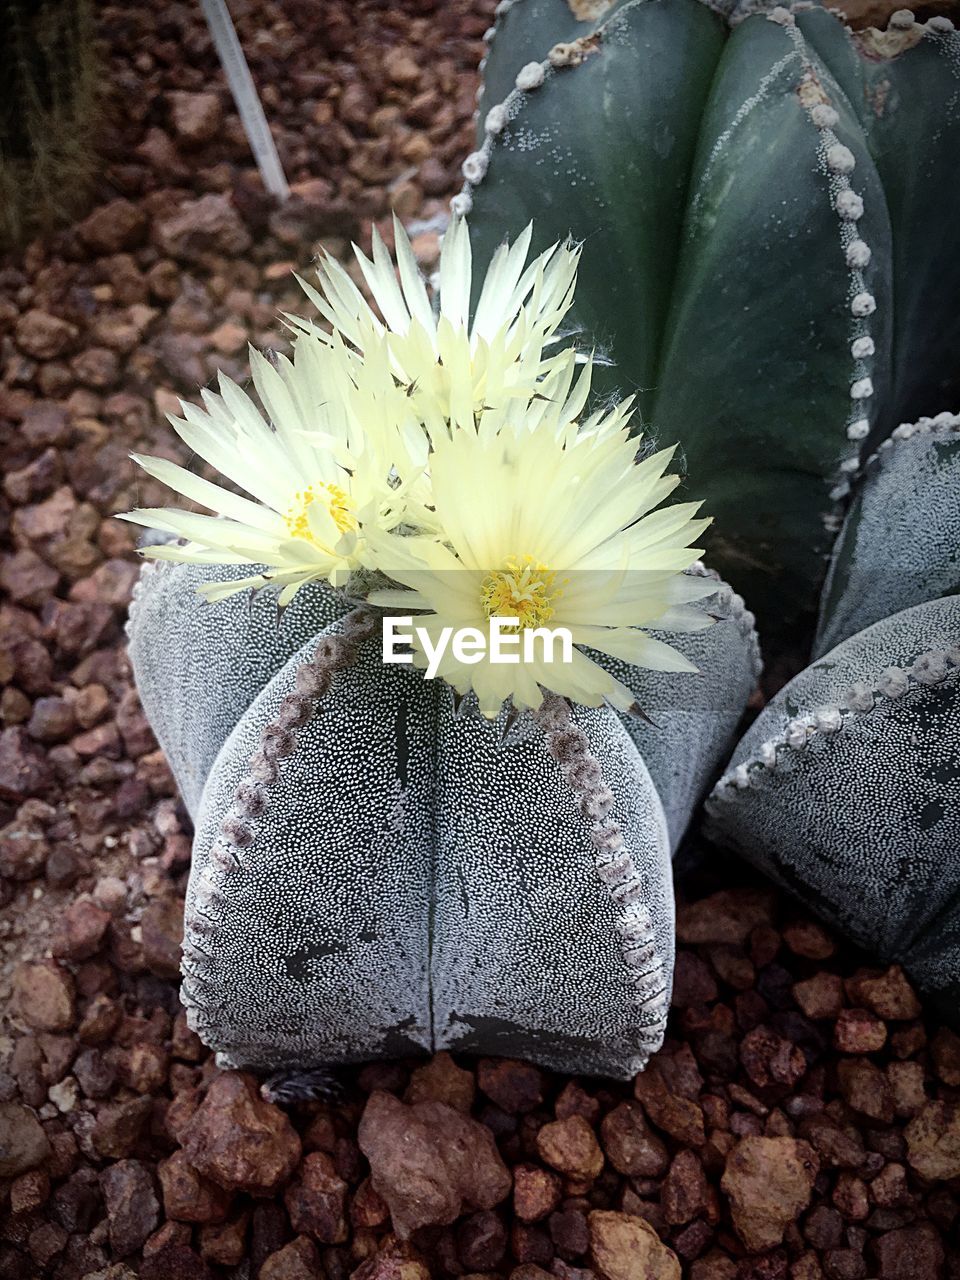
[199, 668]
[846, 790]
[900, 543]
[377, 872]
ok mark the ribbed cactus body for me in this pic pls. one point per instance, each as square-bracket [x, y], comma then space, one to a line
[199, 667]
[900, 541]
[846, 791]
[762, 209]
[378, 870]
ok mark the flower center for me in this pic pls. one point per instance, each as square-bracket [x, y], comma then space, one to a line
[524, 589]
[337, 502]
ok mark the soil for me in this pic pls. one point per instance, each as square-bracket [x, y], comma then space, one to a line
[803, 1118]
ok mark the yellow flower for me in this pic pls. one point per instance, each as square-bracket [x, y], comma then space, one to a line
[556, 528]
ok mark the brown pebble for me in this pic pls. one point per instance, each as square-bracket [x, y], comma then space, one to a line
[858, 1031]
[570, 1146]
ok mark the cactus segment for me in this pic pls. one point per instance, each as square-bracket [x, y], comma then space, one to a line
[900, 542]
[527, 959]
[905, 86]
[713, 183]
[313, 921]
[199, 666]
[525, 31]
[764, 409]
[846, 790]
[688, 720]
[552, 162]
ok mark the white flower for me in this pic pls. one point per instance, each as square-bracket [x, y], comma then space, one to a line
[343, 446]
[326, 465]
[447, 367]
[557, 528]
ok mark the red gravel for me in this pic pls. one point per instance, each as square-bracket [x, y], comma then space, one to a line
[803, 1120]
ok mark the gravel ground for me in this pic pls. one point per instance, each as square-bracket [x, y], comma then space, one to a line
[803, 1120]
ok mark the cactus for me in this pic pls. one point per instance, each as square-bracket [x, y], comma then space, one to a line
[768, 210]
[48, 115]
[846, 791]
[768, 203]
[898, 545]
[378, 870]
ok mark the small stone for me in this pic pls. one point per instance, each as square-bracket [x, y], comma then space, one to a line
[316, 1200]
[631, 1145]
[43, 336]
[428, 1160]
[196, 116]
[23, 769]
[515, 1087]
[769, 1059]
[24, 848]
[52, 720]
[132, 1206]
[298, 1260]
[111, 227]
[119, 1126]
[81, 930]
[481, 1241]
[889, 995]
[808, 939]
[769, 1182]
[238, 1140]
[679, 1117]
[865, 1089]
[906, 1087]
[45, 996]
[684, 1194]
[536, 1192]
[910, 1253]
[889, 1188]
[837, 1147]
[441, 1080]
[225, 1243]
[200, 227]
[188, 1197]
[29, 1191]
[857, 1031]
[23, 1143]
[623, 1247]
[945, 1051]
[65, 1094]
[401, 68]
[820, 996]
[726, 916]
[570, 1146]
[161, 928]
[933, 1141]
[573, 1100]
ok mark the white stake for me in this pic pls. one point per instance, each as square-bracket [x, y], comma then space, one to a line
[245, 96]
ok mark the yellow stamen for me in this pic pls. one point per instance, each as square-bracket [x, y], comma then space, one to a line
[524, 589]
[338, 504]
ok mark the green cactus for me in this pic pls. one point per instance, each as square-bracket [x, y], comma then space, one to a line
[768, 212]
[769, 256]
[48, 115]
